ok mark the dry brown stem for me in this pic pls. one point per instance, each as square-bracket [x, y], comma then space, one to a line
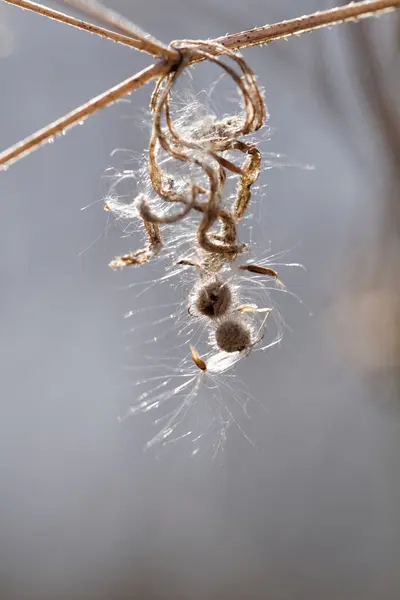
[78, 115]
[56, 15]
[147, 43]
[327, 18]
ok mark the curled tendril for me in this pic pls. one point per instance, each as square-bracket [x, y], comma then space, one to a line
[203, 149]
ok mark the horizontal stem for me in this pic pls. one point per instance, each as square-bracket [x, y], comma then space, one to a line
[79, 24]
[149, 44]
[326, 18]
[78, 115]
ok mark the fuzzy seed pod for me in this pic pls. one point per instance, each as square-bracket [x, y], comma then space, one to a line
[213, 299]
[233, 335]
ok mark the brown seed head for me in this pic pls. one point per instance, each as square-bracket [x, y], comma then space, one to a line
[213, 299]
[233, 336]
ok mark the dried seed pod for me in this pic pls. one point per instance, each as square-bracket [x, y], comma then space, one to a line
[233, 335]
[213, 298]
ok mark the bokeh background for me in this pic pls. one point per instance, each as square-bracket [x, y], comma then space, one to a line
[314, 510]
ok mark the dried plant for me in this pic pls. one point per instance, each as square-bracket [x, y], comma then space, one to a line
[170, 57]
[193, 198]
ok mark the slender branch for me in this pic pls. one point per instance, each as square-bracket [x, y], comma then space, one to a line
[78, 115]
[326, 18]
[262, 35]
[79, 24]
[94, 9]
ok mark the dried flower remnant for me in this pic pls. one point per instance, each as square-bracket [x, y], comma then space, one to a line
[196, 194]
[204, 149]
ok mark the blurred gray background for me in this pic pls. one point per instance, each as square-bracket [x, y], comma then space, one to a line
[314, 510]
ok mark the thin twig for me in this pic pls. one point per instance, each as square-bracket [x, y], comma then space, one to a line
[262, 35]
[79, 24]
[95, 10]
[78, 115]
[326, 18]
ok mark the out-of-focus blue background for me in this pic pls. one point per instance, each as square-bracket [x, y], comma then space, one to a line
[313, 511]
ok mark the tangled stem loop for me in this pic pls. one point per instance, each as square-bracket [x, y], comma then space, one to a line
[204, 149]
